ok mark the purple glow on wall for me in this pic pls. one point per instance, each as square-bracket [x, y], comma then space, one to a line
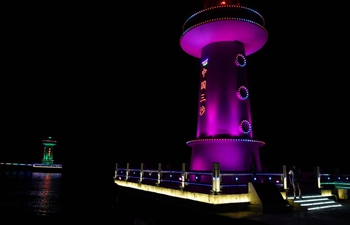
[233, 154]
[224, 111]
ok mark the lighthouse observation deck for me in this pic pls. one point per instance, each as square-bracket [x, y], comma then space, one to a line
[224, 23]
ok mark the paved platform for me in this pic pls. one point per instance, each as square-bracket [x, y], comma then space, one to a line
[164, 211]
[329, 216]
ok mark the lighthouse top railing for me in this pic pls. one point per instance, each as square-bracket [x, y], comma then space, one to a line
[211, 3]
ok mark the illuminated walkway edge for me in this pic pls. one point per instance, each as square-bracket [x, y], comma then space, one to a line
[200, 197]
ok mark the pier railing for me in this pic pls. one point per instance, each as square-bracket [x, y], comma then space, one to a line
[223, 181]
[14, 164]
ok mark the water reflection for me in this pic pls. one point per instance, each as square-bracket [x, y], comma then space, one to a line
[30, 193]
[46, 176]
[46, 191]
[14, 174]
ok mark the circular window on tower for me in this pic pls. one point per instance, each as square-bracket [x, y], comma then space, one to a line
[240, 60]
[245, 126]
[242, 93]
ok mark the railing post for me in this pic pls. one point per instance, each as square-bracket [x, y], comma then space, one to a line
[183, 175]
[216, 178]
[159, 173]
[318, 176]
[116, 171]
[127, 171]
[285, 184]
[141, 173]
[253, 167]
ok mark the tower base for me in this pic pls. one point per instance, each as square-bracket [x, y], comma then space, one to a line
[240, 155]
[232, 154]
[47, 162]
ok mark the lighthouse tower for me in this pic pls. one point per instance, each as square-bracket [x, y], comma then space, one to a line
[48, 151]
[222, 35]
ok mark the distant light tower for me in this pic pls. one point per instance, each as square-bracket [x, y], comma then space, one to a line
[48, 151]
[221, 36]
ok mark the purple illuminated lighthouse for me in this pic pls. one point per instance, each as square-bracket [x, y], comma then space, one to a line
[222, 35]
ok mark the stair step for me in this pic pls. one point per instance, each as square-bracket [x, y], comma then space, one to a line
[316, 203]
[313, 202]
[323, 206]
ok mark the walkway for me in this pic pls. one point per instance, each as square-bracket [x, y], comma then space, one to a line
[331, 216]
[163, 211]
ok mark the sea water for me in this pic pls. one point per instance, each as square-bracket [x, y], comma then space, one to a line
[28, 194]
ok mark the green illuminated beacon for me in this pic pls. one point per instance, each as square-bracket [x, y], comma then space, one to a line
[48, 151]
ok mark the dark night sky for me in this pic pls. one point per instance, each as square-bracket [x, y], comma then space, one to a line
[112, 86]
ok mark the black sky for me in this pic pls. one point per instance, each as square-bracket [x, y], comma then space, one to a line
[110, 83]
